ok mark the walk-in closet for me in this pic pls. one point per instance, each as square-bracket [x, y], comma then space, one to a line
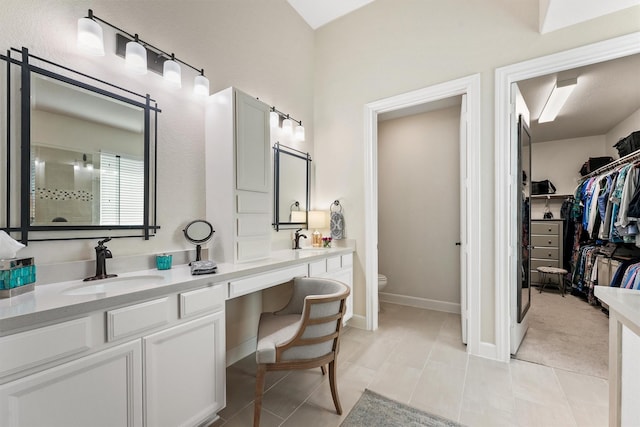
[580, 209]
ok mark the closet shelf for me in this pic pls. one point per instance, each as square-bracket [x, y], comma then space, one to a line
[550, 196]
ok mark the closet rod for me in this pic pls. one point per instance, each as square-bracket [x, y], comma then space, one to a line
[626, 159]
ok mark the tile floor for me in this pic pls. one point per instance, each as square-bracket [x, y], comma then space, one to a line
[416, 357]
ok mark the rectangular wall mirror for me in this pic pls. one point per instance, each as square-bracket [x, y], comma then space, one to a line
[523, 290]
[86, 155]
[292, 172]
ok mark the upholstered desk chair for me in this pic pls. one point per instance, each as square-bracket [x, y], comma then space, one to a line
[303, 335]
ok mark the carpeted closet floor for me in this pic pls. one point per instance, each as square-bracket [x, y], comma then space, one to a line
[566, 333]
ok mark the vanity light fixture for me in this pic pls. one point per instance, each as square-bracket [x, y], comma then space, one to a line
[559, 95]
[90, 39]
[172, 73]
[287, 126]
[300, 132]
[286, 122]
[201, 85]
[274, 118]
[136, 56]
[139, 55]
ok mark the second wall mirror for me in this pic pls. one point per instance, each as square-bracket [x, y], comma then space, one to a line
[291, 181]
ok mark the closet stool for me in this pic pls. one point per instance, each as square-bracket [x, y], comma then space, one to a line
[544, 279]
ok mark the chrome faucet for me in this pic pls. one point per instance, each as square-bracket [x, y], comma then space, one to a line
[102, 253]
[296, 239]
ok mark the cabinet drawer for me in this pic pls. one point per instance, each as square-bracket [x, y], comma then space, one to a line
[266, 280]
[317, 268]
[347, 260]
[252, 202]
[549, 240]
[535, 263]
[544, 253]
[254, 248]
[545, 228]
[253, 225]
[334, 263]
[137, 318]
[29, 349]
[209, 299]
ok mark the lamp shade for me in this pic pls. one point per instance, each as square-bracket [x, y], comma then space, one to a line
[172, 73]
[298, 216]
[274, 119]
[89, 38]
[317, 219]
[287, 126]
[299, 132]
[201, 85]
[136, 57]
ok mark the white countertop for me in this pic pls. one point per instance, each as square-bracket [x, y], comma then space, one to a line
[623, 301]
[48, 303]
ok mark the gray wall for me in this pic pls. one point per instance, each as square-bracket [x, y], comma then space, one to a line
[419, 205]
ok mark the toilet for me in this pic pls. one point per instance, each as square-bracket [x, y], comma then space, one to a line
[382, 283]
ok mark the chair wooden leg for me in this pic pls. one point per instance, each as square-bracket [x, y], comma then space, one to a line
[257, 408]
[323, 369]
[334, 386]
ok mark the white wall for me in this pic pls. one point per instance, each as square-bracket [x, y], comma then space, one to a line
[263, 48]
[419, 205]
[382, 50]
[560, 162]
[621, 130]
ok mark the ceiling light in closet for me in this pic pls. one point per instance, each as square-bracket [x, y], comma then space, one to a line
[559, 95]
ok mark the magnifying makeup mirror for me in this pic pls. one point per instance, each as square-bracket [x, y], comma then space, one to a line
[198, 232]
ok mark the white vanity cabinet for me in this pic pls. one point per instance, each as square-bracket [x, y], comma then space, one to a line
[149, 363]
[238, 176]
[102, 389]
[183, 385]
[338, 267]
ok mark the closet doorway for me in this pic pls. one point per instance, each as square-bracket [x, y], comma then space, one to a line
[547, 71]
[419, 205]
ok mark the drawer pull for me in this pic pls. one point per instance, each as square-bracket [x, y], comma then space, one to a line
[549, 241]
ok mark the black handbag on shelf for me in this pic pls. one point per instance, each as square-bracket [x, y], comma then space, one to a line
[542, 187]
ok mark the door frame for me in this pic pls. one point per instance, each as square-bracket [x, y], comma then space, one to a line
[506, 176]
[470, 220]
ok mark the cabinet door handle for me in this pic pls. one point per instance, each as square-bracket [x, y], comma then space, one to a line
[458, 243]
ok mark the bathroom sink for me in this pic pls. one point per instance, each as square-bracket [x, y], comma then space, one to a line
[113, 285]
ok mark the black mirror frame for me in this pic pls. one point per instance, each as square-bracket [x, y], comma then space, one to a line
[149, 225]
[279, 149]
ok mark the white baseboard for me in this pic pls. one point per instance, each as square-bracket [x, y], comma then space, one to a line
[357, 321]
[429, 304]
[241, 351]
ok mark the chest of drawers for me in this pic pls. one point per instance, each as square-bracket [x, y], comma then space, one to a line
[546, 246]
